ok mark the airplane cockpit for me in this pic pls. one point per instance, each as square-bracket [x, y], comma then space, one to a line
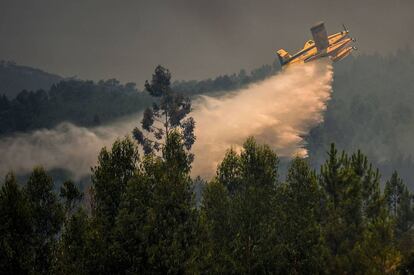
[309, 43]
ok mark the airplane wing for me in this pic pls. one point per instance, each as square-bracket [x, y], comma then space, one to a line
[320, 36]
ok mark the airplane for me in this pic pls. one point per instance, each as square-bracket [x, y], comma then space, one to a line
[335, 46]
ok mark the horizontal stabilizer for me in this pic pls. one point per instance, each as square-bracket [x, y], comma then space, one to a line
[284, 56]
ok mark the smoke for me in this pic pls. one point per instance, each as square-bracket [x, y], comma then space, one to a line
[277, 111]
[66, 146]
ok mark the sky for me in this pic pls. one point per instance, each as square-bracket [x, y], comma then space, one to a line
[195, 39]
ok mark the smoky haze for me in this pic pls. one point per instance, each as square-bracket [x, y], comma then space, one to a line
[97, 39]
[277, 111]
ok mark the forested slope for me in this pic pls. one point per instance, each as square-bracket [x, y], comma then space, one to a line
[372, 109]
[84, 103]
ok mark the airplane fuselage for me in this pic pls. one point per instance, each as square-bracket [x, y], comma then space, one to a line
[335, 46]
[337, 42]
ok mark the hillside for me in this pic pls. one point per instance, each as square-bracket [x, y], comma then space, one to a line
[15, 78]
[371, 109]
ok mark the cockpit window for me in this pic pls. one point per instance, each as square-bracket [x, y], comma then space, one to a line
[309, 43]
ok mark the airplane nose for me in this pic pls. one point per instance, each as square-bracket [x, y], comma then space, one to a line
[355, 48]
[353, 39]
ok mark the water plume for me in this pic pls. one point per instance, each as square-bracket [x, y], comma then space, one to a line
[277, 111]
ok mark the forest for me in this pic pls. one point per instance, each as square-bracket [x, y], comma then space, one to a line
[141, 215]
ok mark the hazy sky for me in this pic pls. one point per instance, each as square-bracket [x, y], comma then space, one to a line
[96, 39]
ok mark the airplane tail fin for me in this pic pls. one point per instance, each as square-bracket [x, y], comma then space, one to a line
[284, 56]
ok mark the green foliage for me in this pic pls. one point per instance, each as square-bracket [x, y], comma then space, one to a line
[216, 249]
[76, 245]
[399, 203]
[376, 252]
[301, 244]
[168, 114]
[357, 230]
[156, 228]
[48, 216]
[110, 177]
[238, 211]
[31, 220]
[15, 229]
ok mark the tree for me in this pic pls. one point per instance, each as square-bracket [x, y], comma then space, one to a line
[302, 248]
[218, 232]
[166, 115]
[77, 245]
[109, 182]
[110, 177]
[356, 225]
[48, 216]
[376, 252]
[156, 229]
[228, 172]
[15, 229]
[399, 203]
[243, 235]
[370, 185]
[342, 210]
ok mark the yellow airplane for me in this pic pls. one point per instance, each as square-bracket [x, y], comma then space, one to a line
[335, 46]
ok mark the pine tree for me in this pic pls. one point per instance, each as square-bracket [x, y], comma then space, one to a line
[399, 202]
[342, 210]
[370, 183]
[302, 248]
[376, 252]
